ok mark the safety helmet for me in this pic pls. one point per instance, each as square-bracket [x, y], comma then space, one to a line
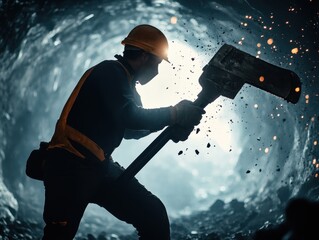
[148, 38]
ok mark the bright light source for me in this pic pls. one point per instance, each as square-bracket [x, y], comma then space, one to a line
[175, 81]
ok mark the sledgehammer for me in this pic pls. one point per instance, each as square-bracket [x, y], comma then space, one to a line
[225, 75]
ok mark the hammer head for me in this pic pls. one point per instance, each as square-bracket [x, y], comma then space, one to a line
[231, 68]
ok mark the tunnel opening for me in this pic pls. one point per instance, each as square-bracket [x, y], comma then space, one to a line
[251, 153]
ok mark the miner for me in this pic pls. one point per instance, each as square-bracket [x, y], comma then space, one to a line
[103, 109]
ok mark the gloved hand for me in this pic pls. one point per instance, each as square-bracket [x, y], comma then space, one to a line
[187, 115]
[180, 134]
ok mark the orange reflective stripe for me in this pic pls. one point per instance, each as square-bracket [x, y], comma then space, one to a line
[63, 132]
[62, 223]
[67, 107]
[80, 138]
[60, 140]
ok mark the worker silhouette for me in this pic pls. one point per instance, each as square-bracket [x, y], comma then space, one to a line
[103, 109]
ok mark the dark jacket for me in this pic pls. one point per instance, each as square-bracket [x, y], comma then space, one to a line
[108, 104]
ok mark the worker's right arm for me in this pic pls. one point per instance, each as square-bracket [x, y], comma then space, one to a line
[125, 108]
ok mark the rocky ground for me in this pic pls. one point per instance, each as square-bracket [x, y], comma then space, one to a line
[271, 219]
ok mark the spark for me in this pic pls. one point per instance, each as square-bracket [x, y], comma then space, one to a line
[294, 50]
[307, 98]
[270, 41]
[266, 150]
[261, 79]
[173, 20]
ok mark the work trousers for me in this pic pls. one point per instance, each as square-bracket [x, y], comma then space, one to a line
[71, 183]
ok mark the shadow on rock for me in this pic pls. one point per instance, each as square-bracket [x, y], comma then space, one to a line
[299, 222]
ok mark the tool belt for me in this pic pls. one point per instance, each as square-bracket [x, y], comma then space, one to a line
[35, 162]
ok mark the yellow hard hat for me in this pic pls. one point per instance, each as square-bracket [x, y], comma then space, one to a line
[148, 38]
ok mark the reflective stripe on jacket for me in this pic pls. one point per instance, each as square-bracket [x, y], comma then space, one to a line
[103, 104]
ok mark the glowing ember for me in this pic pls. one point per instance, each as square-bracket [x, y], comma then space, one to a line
[266, 150]
[297, 89]
[270, 41]
[314, 161]
[261, 79]
[256, 106]
[294, 50]
[173, 20]
[315, 143]
[274, 138]
[258, 45]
